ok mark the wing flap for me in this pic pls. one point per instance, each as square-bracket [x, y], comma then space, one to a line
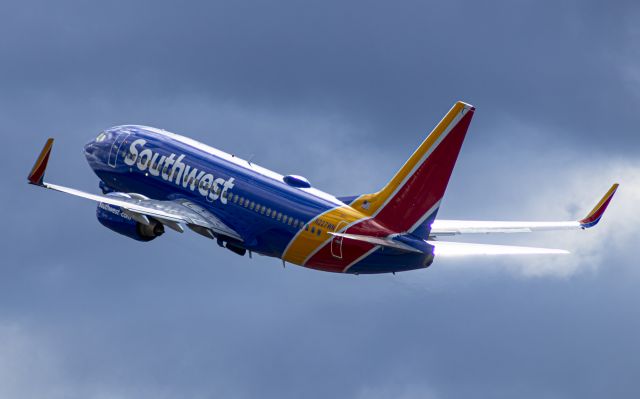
[455, 227]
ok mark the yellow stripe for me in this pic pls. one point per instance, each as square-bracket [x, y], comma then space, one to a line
[603, 200]
[372, 202]
[305, 243]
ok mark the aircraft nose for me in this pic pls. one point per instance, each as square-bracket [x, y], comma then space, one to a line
[90, 147]
[93, 147]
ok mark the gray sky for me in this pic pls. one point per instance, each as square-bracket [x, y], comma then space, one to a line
[341, 92]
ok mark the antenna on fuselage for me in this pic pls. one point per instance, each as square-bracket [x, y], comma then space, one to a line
[251, 158]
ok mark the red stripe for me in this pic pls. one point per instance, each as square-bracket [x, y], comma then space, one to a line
[422, 190]
[598, 213]
[427, 185]
[351, 249]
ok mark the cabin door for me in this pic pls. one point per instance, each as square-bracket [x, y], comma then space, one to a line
[336, 242]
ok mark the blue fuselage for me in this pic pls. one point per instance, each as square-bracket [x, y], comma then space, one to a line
[269, 211]
[270, 230]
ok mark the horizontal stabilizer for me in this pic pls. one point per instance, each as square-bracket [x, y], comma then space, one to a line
[443, 248]
[382, 241]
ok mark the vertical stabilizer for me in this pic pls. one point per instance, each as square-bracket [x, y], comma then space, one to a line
[409, 202]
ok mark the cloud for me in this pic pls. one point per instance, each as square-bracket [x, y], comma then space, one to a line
[341, 93]
[408, 391]
[521, 175]
[591, 249]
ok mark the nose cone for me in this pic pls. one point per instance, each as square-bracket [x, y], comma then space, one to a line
[90, 148]
[94, 148]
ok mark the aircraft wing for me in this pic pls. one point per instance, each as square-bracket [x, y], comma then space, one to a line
[169, 213]
[441, 228]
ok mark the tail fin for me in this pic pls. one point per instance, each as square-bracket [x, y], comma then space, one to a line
[411, 199]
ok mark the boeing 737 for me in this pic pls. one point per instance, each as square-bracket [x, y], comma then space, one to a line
[152, 179]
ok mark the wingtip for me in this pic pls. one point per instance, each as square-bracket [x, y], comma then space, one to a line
[596, 213]
[36, 176]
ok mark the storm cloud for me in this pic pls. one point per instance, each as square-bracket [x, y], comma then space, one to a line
[340, 92]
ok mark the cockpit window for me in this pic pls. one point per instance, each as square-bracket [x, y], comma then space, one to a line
[101, 137]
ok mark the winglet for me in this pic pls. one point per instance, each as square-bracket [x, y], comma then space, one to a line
[37, 172]
[596, 213]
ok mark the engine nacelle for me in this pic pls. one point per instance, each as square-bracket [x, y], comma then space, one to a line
[113, 218]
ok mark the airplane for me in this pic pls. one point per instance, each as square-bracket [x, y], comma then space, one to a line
[152, 179]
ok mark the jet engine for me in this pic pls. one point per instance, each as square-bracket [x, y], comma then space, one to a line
[114, 218]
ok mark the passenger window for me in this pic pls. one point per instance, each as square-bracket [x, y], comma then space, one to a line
[251, 205]
[290, 220]
[273, 214]
[313, 229]
[279, 216]
[235, 198]
[268, 212]
[262, 209]
[319, 232]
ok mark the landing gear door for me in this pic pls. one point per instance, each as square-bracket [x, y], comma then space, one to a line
[115, 148]
[336, 242]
